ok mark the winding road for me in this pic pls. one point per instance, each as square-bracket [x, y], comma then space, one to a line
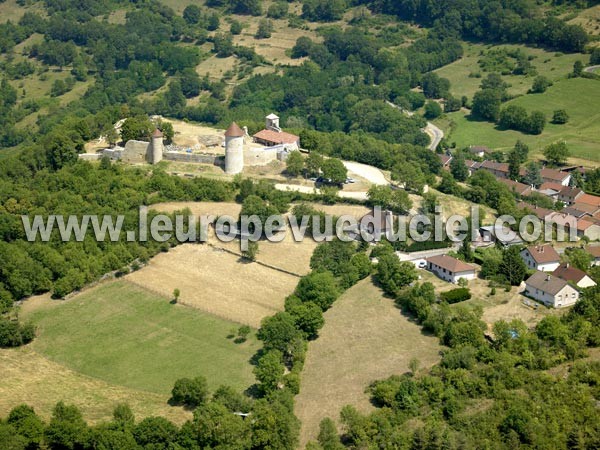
[592, 69]
[434, 132]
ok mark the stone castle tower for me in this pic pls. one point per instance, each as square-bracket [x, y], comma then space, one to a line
[155, 151]
[234, 149]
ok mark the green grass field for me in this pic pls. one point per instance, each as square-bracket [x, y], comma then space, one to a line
[554, 66]
[127, 336]
[578, 96]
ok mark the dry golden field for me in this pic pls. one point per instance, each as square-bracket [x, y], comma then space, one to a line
[217, 282]
[365, 338]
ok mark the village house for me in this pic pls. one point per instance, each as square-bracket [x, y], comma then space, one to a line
[497, 233]
[499, 170]
[569, 195]
[516, 187]
[450, 269]
[589, 228]
[538, 211]
[572, 211]
[550, 290]
[480, 150]
[574, 275]
[377, 223]
[445, 160]
[472, 166]
[586, 208]
[595, 252]
[541, 257]
[588, 199]
[555, 176]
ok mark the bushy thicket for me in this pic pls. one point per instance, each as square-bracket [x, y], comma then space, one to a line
[489, 393]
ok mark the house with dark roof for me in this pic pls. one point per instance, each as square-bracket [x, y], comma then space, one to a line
[571, 210]
[574, 275]
[450, 269]
[499, 170]
[538, 211]
[541, 257]
[445, 160]
[550, 290]
[472, 166]
[516, 187]
[590, 210]
[569, 195]
[480, 150]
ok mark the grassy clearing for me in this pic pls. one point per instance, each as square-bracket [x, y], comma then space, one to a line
[582, 133]
[217, 282]
[365, 338]
[554, 66]
[28, 377]
[127, 336]
[501, 306]
[11, 10]
[589, 19]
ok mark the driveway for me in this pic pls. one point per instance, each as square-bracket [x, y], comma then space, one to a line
[372, 174]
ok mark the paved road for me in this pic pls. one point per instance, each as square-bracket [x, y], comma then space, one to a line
[434, 132]
[592, 69]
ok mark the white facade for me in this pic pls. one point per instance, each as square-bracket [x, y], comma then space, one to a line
[156, 154]
[567, 296]
[586, 282]
[533, 264]
[234, 154]
[449, 276]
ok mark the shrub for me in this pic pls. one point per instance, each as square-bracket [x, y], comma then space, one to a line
[456, 295]
[13, 334]
[560, 117]
[190, 392]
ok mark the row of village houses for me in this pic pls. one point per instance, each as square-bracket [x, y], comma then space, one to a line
[581, 210]
[553, 283]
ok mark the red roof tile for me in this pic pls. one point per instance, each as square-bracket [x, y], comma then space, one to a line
[276, 137]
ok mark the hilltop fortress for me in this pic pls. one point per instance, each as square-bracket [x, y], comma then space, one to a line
[241, 149]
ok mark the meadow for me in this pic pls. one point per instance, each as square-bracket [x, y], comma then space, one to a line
[578, 96]
[365, 338]
[125, 335]
[218, 282]
[554, 66]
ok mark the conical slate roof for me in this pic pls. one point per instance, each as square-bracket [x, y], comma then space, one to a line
[234, 130]
[157, 133]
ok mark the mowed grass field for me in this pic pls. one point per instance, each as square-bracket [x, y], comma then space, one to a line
[124, 335]
[29, 377]
[218, 282]
[578, 96]
[365, 338]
